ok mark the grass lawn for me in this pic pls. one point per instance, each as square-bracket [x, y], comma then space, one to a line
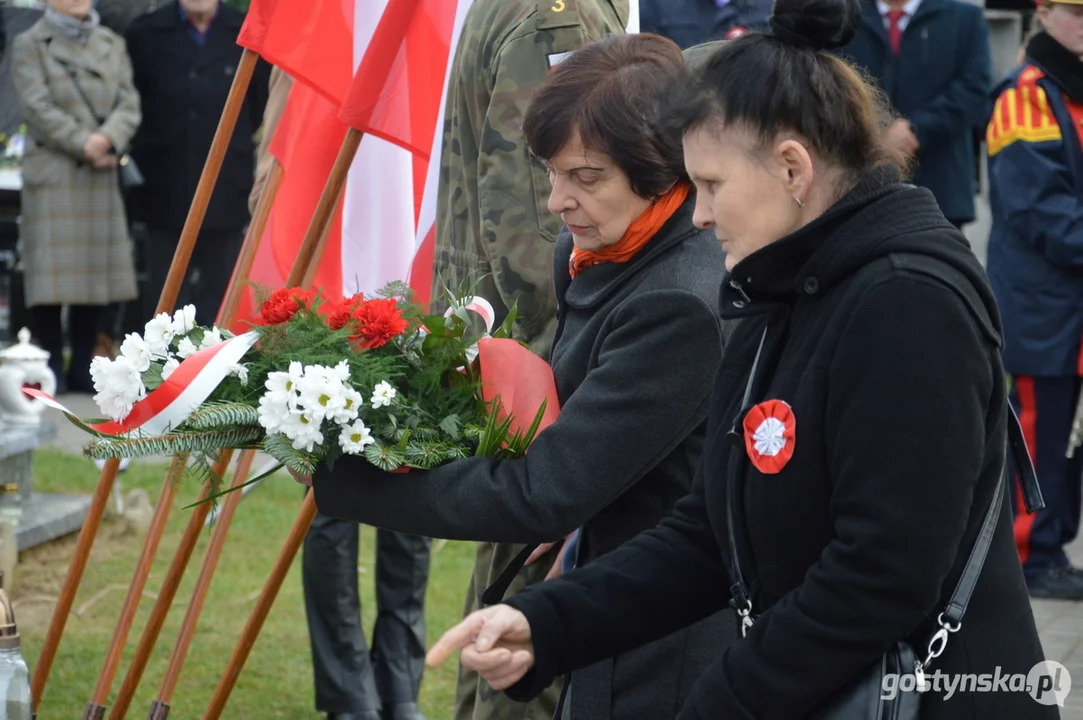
[277, 679]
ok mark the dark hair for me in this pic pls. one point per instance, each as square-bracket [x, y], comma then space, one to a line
[786, 81]
[610, 90]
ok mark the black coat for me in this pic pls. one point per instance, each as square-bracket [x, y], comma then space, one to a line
[636, 351]
[896, 387]
[183, 88]
[940, 81]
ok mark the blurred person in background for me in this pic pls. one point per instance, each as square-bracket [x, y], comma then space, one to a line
[117, 15]
[1035, 260]
[185, 55]
[693, 22]
[932, 60]
[74, 81]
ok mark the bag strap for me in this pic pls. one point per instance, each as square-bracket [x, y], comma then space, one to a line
[82, 93]
[950, 620]
[494, 594]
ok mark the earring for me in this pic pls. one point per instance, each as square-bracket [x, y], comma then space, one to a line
[799, 201]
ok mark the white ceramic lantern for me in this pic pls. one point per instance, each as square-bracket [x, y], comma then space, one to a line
[23, 365]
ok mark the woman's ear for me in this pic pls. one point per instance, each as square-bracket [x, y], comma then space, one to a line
[795, 162]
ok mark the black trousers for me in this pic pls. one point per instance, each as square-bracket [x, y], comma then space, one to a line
[348, 677]
[82, 336]
[209, 271]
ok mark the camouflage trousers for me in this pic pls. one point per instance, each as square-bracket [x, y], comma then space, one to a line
[474, 699]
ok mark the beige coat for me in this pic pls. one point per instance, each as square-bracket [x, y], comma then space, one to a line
[74, 234]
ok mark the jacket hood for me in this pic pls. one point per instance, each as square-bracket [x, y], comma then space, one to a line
[879, 218]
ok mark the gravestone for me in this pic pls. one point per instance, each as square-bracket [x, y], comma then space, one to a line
[37, 517]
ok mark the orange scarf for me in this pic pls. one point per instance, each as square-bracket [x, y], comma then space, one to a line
[638, 234]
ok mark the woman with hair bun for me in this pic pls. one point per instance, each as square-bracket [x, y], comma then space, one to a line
[857, 439]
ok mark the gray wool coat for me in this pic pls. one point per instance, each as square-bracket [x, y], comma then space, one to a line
[637, 348]
[74, 234]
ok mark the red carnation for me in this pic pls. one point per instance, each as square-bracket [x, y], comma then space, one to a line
[339, 312]
[284, 304]
[377, 322]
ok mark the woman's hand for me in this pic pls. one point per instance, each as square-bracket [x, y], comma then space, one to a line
[96, 147]
[495, 643]
[105, 162]
[305, 480]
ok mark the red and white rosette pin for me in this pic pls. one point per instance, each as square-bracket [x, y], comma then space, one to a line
[770, 434]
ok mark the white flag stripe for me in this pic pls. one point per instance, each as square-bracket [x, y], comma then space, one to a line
[427, 216]
[378, 200]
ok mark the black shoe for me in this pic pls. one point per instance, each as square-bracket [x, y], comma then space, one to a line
[1063, 583]
[365, 715]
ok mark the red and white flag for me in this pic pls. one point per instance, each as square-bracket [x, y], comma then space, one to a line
[382, 65]
[386, 64]
[425, 241]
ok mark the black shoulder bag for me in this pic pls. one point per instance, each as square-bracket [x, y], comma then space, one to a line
[861, 698]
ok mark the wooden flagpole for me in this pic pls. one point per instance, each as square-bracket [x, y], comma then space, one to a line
[310, 248]
[166, 301]
[160, 706]
[170, 584]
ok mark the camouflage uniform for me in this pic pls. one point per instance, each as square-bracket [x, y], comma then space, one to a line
[493, 230]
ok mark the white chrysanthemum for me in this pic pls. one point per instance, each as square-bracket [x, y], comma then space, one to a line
[342, 371]
[272, 413]
[282, 386]
[170, 365]
[304, 431]
[383, 394]
[322, 393]
[186, 348]
[354, 438]
[241, 373]
[211, 337]
[158, 334]
[351, 406]
[136, 350]
[184, 320]
[119, 386]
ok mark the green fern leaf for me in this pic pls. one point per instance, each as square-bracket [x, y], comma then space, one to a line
[450, 425]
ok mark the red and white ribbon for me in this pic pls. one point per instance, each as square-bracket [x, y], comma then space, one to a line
[482, 307]
[172, 402]
[485, 310]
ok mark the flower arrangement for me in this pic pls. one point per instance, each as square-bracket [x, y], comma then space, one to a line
[11, 148]
[369, 376]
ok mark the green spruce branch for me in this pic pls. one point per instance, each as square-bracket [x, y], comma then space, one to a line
[174, 443]
[223, 414]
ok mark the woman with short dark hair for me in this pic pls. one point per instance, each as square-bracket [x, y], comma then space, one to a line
[636, 351]
[856, 445]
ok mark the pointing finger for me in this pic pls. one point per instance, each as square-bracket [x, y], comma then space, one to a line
[454, 639]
